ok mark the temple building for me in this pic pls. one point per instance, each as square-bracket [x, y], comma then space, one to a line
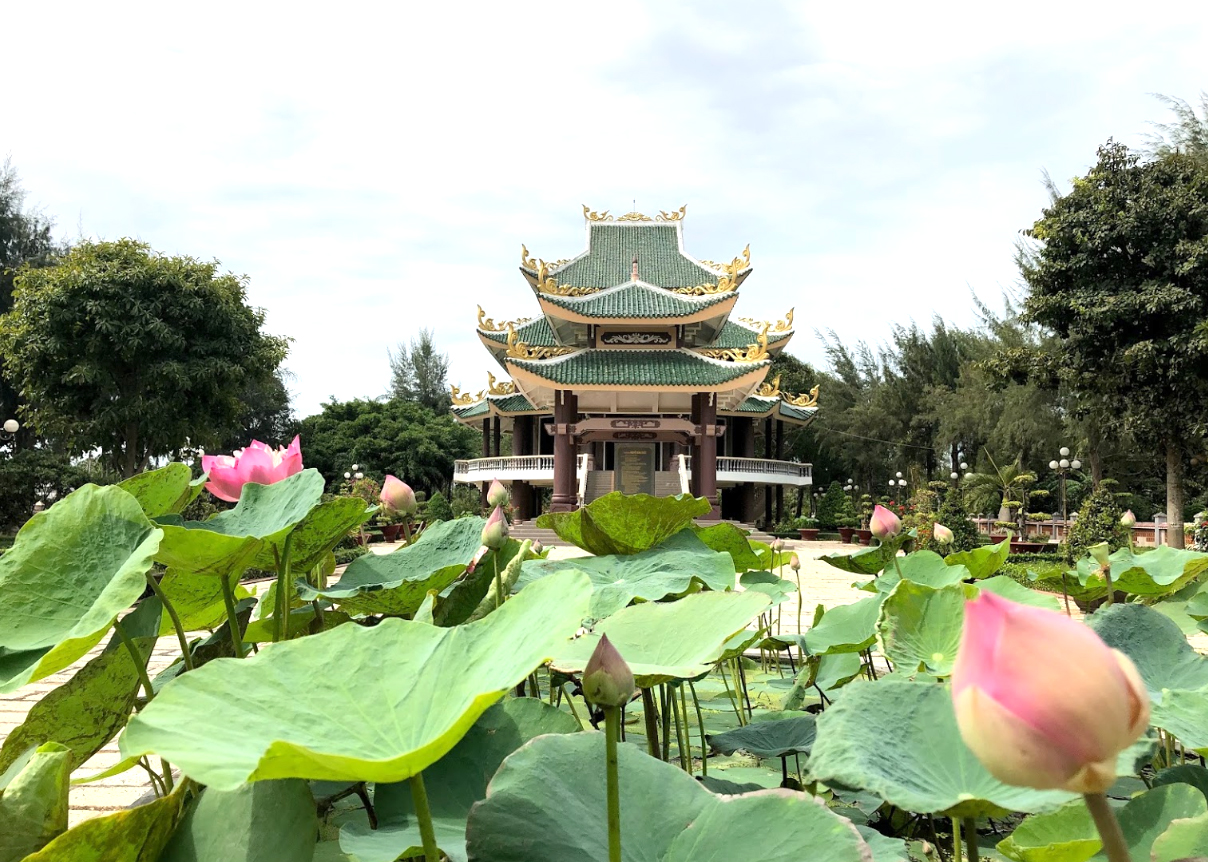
[635, 376]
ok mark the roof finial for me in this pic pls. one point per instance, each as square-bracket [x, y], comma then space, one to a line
[635, 267]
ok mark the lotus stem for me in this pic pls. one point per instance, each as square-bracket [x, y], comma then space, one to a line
[652, 723]
[1065, 594]
[686, 739]
[734, 703]
[419, 796]
[612, 728]
[570, 699]
[956, 841]
[140, 664]
[186, 655]
[1107, 576]
[228, 599]
[742, 676]
[797, 575]
[283, 564]
[700, 720]
[972, 852]
[1108, 826]
[498, 582]
[665, 714]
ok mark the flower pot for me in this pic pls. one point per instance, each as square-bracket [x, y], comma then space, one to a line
[845, 534]
[865, 536]
[808, 534]
[390, 532]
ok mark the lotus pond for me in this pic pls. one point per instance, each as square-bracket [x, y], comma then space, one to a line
[430, 702]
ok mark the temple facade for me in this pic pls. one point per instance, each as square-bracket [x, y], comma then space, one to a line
[635, 376]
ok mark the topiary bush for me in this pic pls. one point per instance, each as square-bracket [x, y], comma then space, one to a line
[834, 507]
[1098, 521]
[438, 509]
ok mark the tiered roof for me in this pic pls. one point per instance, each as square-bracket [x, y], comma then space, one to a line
[634, 311]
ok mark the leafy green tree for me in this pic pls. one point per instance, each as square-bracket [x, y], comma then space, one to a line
[1098, 521]
[833, 508]
[420, 373]
[1120, 275]
[267, 413]
[118, 348]
[1188, 134]
[438, 508]
[953, 515]
[30, 475]
[396, 437]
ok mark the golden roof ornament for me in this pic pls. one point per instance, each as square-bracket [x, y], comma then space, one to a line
[804, 400]
[592, 215]
[546, 283]
[634, 215]
[770, 390]
[518, 349]
[756, 352]
[464, 399]
[785, 325]
[504, 387]
[486, 324]
[526, 260]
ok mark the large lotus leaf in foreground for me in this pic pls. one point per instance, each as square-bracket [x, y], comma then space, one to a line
[266, 821]
[922, 567]
[454, 783]
[846, 628]
[33, 804]
[982, 562]
[900, 741]
[625, 524]
[71, 570]
[166, 491]
[920, 627]
[354, 703]
[671, 569]
[540, 809]
[1158, 571]
[662, 642]
[131, 835]
[396, 583]
[732, 540]
[1159, 650]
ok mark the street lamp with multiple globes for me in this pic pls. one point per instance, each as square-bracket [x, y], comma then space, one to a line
[11, 427]
[851, 488]
[897, 482]
[1063, 466]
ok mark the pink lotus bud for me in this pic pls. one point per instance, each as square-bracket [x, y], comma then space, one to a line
[495, 533]
[1056, 723]
[942, 534]
[1128, 519]
[258, 463]
[884, 524]
[398, 497]
[778, 545]
[607, 679]
[537, 547]
[497, 495]
[795, 563]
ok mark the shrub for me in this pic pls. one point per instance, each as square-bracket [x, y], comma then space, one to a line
[834, 509]
[28, 475]
[438, 509]
[1098, 521]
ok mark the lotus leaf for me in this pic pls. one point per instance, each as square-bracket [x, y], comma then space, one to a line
[920, 627]
[981, 562]
[922, 567]
[662, 642]
[132, 835]
[777, 589]
[1185, 838]
[315, 535]
[794, 735]
[1003, 586]
[454, 784]
[837, 669]
[900, 741]
[71, 570]
[1185, 714]
[1079, 586]
[197, 599]
[1187, 773]
[625, 524]
[396, 583]
[541, 810]
[884, 848]
[675, 567]
[33, 805]
[1146, 817]
[459, 602]
[869, 561]
[846, 628]
[1065, 835]
[1158, 571]
[1159, 650]
[733, 541]
[267, 821]
[166, 491]
[353, 727]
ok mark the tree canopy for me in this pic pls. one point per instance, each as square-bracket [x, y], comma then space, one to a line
[118, 348]
[419, 373]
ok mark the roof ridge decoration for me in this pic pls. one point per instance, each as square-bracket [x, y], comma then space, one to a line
[663, 216]
[518, 349]
[464, 399]
[546, 283]
[785, 325]
[727, 282]
[809, 399]
[486, 324]
[756, 352]
[503, 387]
[770, 390]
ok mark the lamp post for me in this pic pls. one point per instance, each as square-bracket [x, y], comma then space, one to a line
[9, 434]
[1063, 466]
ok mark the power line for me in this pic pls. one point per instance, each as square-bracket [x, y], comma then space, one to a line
[874, 439]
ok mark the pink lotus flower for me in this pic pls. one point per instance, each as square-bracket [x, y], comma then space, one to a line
[497, 494]
[607, 680]
[1059, 722]
[258, 463]
[942, 534]
[495, 533]
[884, 523]
[397, 496]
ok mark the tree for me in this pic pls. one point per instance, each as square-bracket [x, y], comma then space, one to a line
[420, 373]
[1188, 134]
[1120, 275]
[118, 348]
[266, 414]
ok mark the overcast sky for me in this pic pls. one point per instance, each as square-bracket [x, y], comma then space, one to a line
[374, 168]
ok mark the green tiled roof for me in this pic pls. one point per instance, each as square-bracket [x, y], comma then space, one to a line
[756, 404]
[636, 368]
[636, 300]
[516, 403]
[536, 333]
[803, 414]
[612, 248]
[478, 408]
[735, 335]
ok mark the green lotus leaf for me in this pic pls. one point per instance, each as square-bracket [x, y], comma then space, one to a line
[981, 562]
[315, 535]
[458, 603]
[1161, 653]
[1065, 835]
[776, 588]
[71, 570]
[662, 642]
[625, 524]
[777, 738]
[132, 835]
[266, 821]
[836, 670]
[197, 599]
[846, 628]
[1158, 571]
[454, 783]
[396, 583]
[33, 805]
[234, 720]
[675, 567]
[541, 810]
[922, 567]
[1187, 773]
[1185, 714]
[722, 787]
[1079, 586]
[868, 561]
[900, 741]
[733, 541]
[1185, 838]
[204, 553]
[89, 709]
[166, 491]
[884, 848]
[1003, 586]
[920, 627]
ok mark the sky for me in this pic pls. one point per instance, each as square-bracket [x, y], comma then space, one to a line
[373, 168]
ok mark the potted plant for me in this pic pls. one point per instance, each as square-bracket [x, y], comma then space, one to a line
[807, 529]
[847, 529]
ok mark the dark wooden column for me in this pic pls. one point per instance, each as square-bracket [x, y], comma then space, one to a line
[486, 453]
[779, 457]
[496, 435]
[705, 460]
[743, 445]
[522, 444]
[767, 488]
[694, 449]
[566, 413]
